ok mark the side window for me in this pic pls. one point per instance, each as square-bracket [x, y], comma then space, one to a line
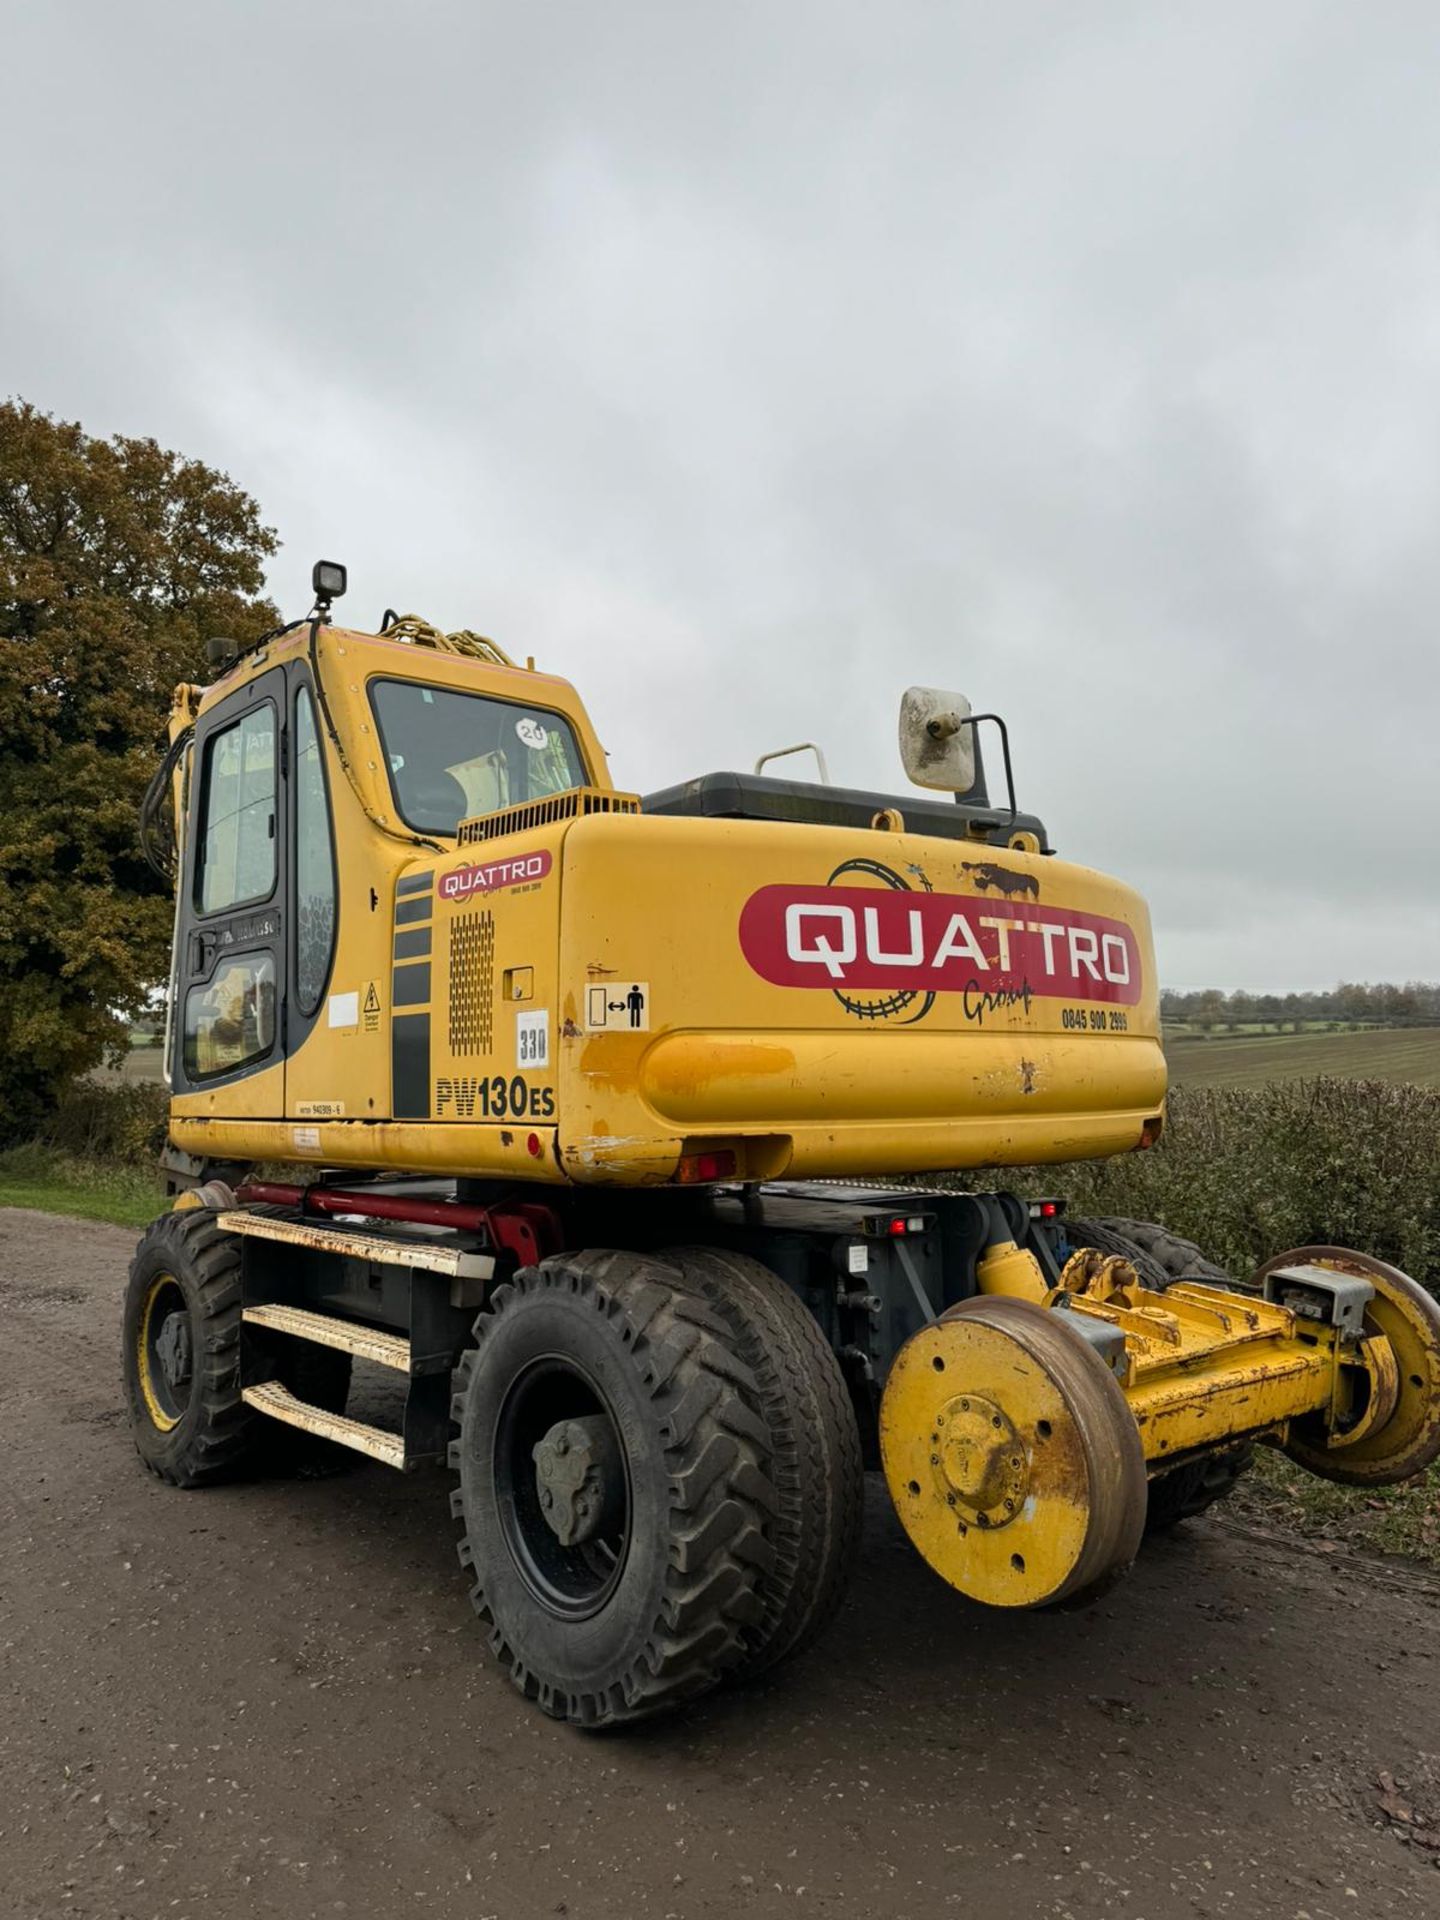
[237, 845]
[314, 862]
[232, 1018]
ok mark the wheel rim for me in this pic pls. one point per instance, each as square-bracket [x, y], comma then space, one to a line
[570, 1580]
[1407, 1439]
[165, 1353]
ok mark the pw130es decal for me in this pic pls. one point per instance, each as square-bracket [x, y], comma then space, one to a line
[881, 951]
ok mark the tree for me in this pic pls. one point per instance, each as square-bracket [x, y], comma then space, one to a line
[117, 560]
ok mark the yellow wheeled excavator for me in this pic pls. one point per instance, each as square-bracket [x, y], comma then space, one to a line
[606, 1112]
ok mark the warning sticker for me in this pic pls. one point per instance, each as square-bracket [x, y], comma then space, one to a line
[622, 1006]
[344, 1010]
[305, 1139]
[370, 1010]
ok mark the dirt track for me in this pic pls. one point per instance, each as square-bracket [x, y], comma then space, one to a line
[273, 1699]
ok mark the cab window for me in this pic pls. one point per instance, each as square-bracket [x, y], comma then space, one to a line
[237, 800]
[314, 862]
[454, 755]
[231, 1019]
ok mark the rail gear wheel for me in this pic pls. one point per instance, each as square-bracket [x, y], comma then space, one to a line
[614, 1487]
[182, 1351]
[815, 1458]
[1396, 1434]
[1160, 1257]
[1011, 1455]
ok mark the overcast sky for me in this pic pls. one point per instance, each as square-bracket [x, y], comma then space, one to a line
[745, 363]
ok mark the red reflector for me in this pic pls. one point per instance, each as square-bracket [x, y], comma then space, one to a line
[897, 1226]
[1048, 1209]
[534, 1147]
[700, 1169]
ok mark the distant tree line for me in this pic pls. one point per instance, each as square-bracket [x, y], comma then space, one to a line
[1416, 1003]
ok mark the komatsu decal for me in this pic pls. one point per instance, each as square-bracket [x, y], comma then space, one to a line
[517, 871]
[848, 938]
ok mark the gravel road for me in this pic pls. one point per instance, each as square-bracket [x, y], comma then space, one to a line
[273, 1699]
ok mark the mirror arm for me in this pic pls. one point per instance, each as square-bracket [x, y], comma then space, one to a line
[973, 722]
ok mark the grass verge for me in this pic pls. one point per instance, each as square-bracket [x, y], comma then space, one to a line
[1394, 1520]
[57, 1182]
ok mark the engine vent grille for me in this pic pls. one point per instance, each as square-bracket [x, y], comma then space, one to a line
[574, 804]
[472, 982]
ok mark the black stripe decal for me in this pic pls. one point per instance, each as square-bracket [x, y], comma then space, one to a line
[408, 910]
[415, 883]
[410, 986]
[410, 1065]
[414, 945]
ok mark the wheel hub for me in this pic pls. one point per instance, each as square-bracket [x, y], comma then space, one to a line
[580, 1479]
[174, 1351]
[979, 1462]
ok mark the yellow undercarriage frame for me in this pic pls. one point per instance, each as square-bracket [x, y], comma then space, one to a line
[1020, 1430]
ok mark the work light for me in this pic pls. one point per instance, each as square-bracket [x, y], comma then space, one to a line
[327, 578]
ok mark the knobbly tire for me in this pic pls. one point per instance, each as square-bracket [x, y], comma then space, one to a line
[181, 1334]
[182, 1362]
[815, 1448]
[614, 1487]
[1160, 1257]
[1157, 1255]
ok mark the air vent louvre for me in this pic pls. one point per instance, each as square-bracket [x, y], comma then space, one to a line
[472, 982]
[574, 804]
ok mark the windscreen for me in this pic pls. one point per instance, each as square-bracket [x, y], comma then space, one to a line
[453, 756]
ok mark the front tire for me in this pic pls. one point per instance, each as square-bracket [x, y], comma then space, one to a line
[614, 1487]
[181, 1362]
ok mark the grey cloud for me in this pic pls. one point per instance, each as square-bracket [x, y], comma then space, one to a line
[746, 363]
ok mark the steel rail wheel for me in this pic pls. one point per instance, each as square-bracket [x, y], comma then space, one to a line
[1011, 1455]
[1378, 1452]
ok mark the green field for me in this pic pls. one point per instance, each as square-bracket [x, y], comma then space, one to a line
[1253, 1060]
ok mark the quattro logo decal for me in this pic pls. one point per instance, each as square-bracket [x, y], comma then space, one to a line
[866, 938]
[518, 871]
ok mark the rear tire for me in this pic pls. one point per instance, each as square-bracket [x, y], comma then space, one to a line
[815, 1448]
[1161, 1257]
[1158, 1255]
[1187, 1491]
[649, 1601]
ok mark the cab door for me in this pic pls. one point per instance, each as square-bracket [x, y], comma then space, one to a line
[231, 941]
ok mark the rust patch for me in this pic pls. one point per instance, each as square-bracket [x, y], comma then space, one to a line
[1028, 1071]
[1006, 880]
[570, 1031]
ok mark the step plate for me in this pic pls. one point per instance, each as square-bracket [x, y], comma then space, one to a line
[381, 1248]
[366, 1343]
[281, 1404]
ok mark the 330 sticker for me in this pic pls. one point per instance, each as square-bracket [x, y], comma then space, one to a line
[492, 1097]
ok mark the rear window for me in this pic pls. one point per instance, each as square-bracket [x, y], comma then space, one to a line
[453, 756]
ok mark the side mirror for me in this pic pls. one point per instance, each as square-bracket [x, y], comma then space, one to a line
[937, 742]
